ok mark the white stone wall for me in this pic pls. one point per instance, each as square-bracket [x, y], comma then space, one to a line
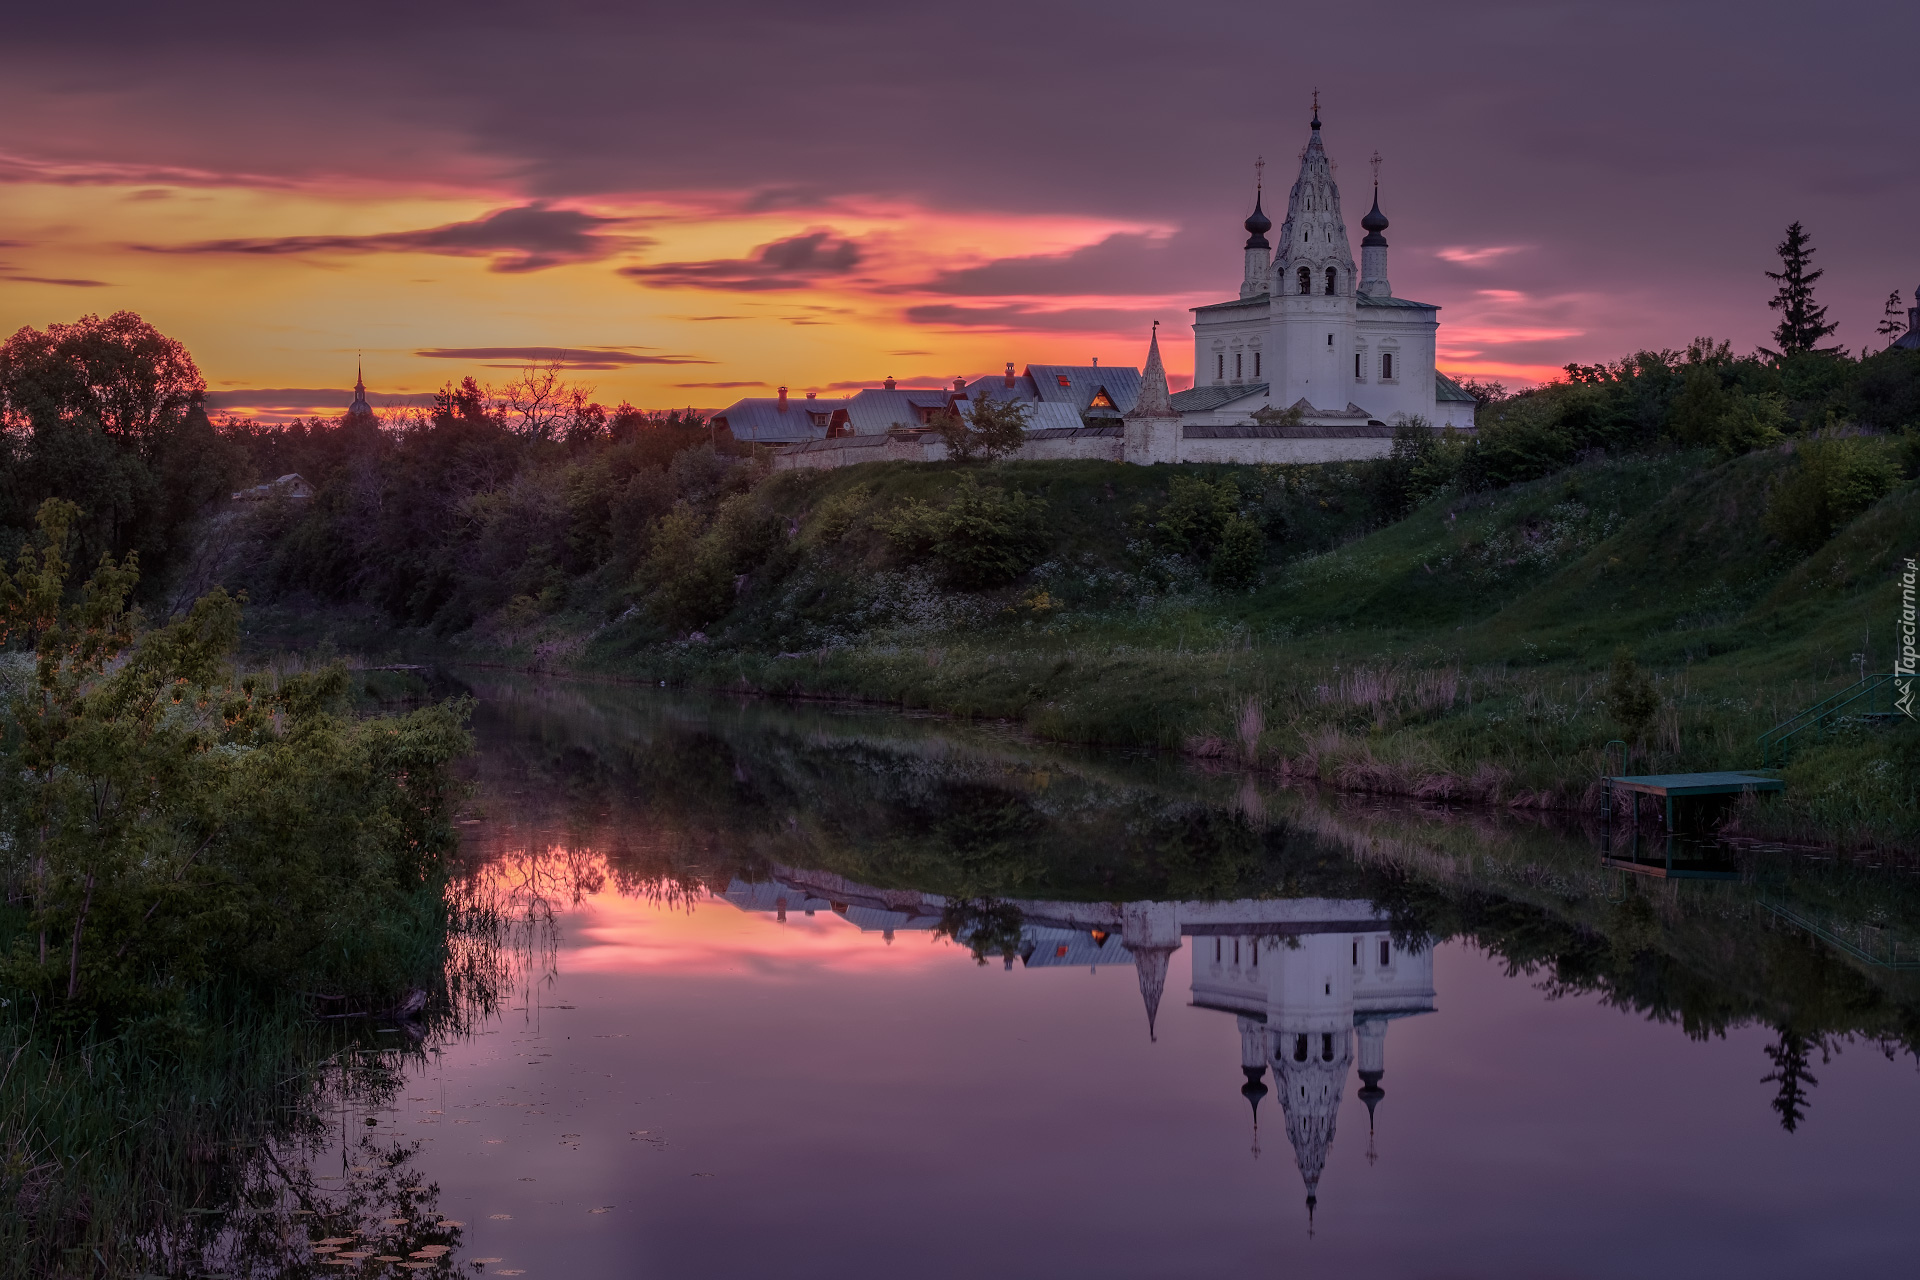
[1152, 442]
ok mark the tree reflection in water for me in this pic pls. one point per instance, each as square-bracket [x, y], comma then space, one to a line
[674, 797]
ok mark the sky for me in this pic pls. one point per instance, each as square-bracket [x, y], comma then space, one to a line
[690, 203]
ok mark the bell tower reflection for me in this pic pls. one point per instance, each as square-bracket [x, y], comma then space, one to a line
[1312, 983]
[1309, 996]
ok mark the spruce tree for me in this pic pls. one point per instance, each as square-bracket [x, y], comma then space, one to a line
[1802, 324]
[1893, 321]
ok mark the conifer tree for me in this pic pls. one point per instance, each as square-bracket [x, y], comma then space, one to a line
[1893, 321]
[1802, 323]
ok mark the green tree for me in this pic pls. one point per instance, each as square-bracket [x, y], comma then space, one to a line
[987, 428]
[1630, 697]
[1802, 321]
[1893, 317]
[1834, 481]
[107, 413]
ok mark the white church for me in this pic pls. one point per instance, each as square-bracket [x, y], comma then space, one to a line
[1314, 361]
[1309, 332]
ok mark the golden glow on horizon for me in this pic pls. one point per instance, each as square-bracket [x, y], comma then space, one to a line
[286, 323]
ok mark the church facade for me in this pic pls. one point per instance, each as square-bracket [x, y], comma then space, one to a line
[1312, 338]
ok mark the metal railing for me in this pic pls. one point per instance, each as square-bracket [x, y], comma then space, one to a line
[1875, 692]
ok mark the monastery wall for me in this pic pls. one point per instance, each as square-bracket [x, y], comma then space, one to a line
[1250, 446]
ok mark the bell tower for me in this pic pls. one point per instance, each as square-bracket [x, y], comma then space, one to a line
[1314, 288]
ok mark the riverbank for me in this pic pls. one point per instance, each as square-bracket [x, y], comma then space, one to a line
[1468, 651]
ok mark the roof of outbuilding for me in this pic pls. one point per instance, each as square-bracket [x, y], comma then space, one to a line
[1908, 341]
[1445, 388]
[1201, 399]
[760, 418]
[1042, 382]
[877, 410]
[1082, 380]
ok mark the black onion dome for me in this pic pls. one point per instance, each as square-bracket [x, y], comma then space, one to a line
[1375, 222]
[1258, 224]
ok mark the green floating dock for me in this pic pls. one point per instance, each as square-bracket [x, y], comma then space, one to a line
[1681, 857]
[1697, 784]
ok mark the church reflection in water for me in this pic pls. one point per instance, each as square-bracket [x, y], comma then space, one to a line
[1310, 982]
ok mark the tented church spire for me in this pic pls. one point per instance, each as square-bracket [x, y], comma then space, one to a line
[1313, 239]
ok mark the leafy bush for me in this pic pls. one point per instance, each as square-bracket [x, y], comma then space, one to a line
[169, 823]
[984, 536]
[1195, 514]
[1237, 560]
[1835, 480]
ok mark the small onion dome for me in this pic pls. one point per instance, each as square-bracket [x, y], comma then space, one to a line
[1258, 224]
[1375, 222]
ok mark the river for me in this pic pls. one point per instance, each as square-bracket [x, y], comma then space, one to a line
[819, 991]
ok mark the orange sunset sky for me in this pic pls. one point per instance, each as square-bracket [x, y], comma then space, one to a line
[687, 210]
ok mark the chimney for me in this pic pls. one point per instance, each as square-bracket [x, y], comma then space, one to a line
[1096, 362]
[812, 395]
[888, 384]
[1008, 384]
[783, 399]
[959, 384]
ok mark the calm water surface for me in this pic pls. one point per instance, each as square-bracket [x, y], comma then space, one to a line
[804, 993]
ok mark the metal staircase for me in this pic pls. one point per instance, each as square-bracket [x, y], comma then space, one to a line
[1866, 701]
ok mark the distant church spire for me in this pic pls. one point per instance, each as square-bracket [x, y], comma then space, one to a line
[359, 405]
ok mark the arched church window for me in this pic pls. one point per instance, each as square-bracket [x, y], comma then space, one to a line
[1332, 276]
[1358, 376]
[1306, 279]
[1238, 361]
[1326, 1046]
[1220, 365]
[1299, 1048]
[1216, 951]
[1356, 953]
[1256, 364]
[1386, 953]
[1386, 366]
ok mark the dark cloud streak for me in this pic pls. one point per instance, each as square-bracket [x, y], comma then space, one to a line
[528, 238]
[792, 263]
[567, 357]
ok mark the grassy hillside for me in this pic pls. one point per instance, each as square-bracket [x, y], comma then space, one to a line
[1463, 651]
[1679, 550]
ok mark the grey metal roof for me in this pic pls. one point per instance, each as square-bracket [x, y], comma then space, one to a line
[760, 418]
[1201, 399]
[876, 410]
[1042, 382]
[1367, 300]
[1908, 341]
[1257, 300]
[1445, 388]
